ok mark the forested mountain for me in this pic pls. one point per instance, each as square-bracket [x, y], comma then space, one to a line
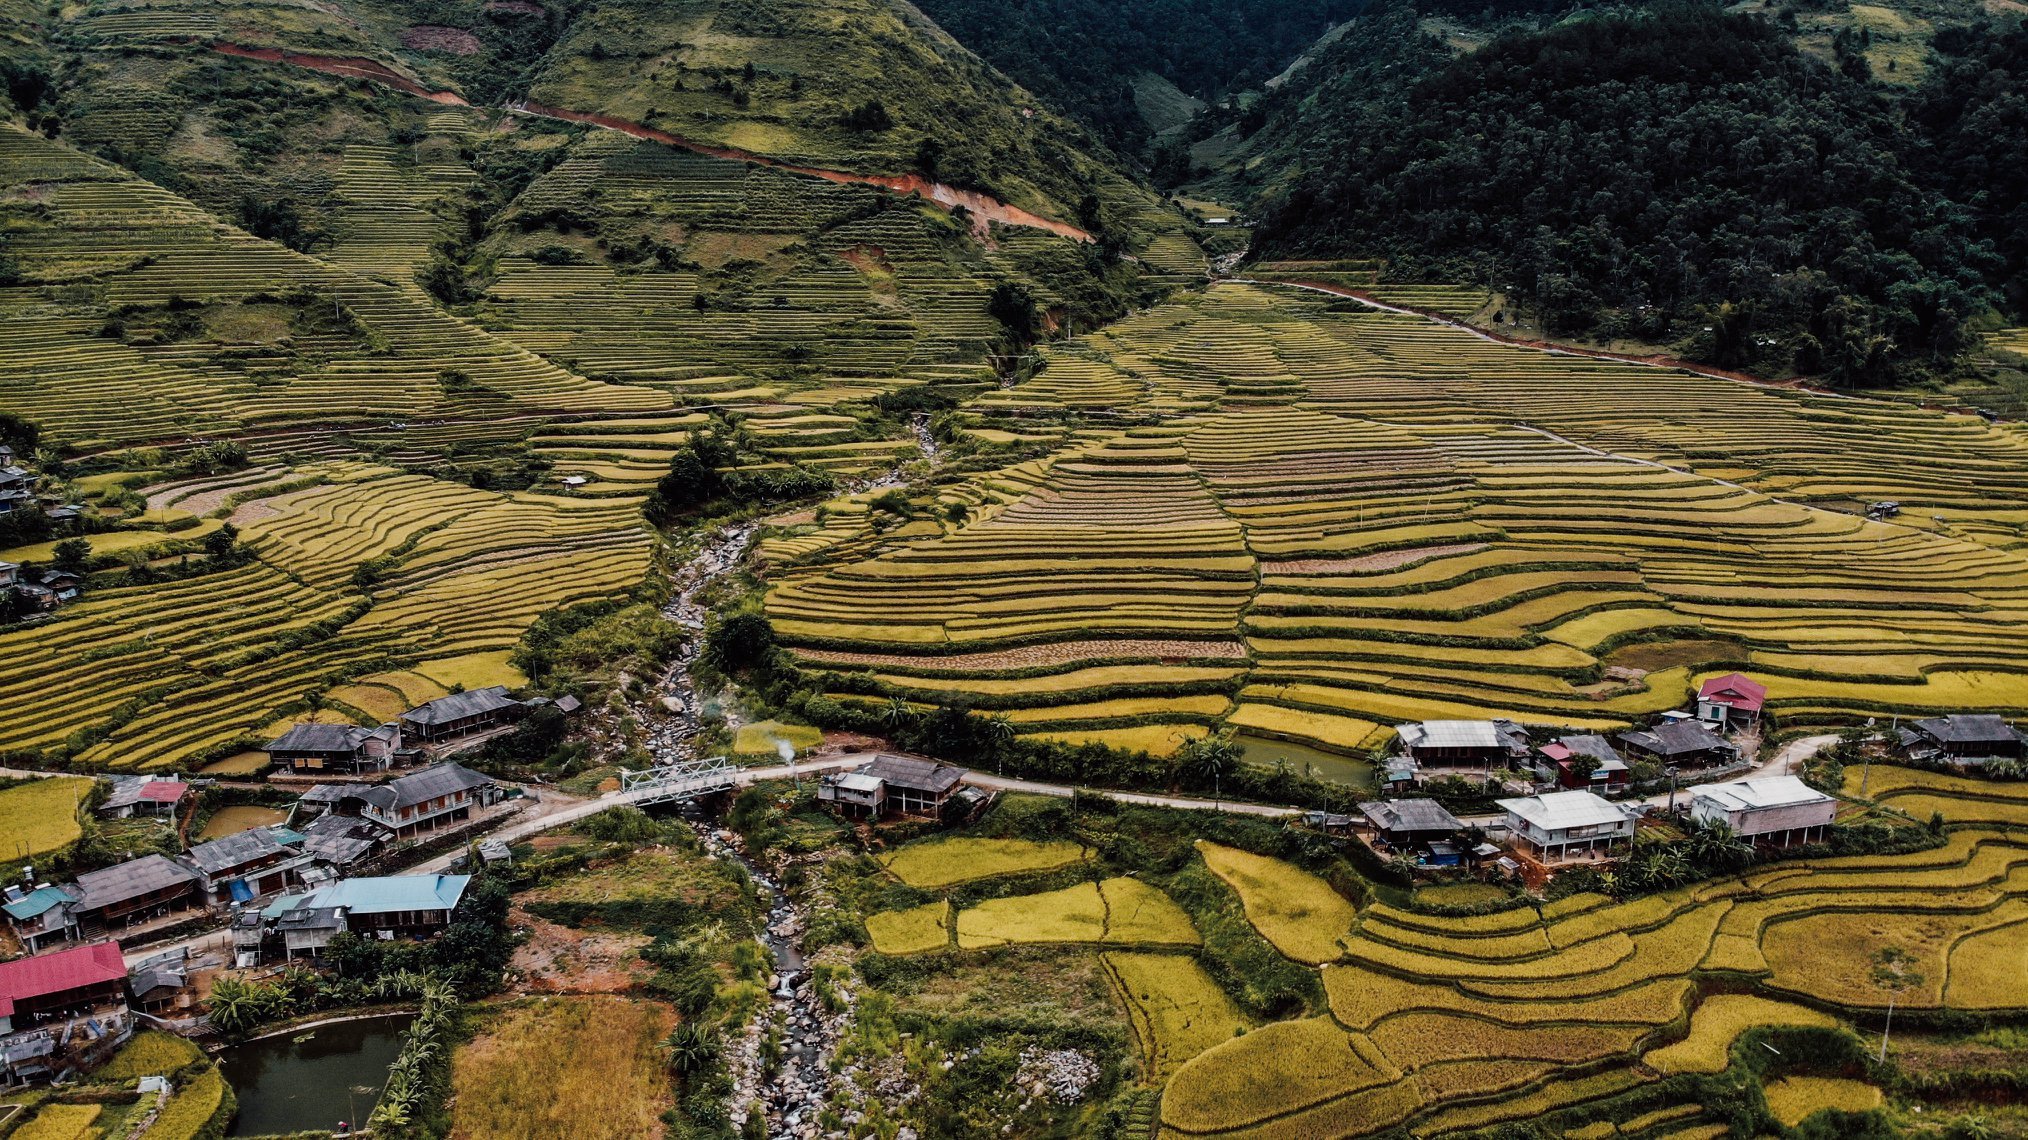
[1084, 57]
[1682, 174]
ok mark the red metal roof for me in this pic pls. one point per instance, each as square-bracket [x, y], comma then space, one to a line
[1556, 751]
[1737, 689]
[164, 791]
[72, 969]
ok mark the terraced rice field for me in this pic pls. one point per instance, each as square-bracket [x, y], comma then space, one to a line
[1445, 1024]
[185, 668]
[946, 862]
[1335, 521]
[39, 816]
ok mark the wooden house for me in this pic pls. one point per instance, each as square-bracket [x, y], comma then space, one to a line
[335, 748]
[461, 714]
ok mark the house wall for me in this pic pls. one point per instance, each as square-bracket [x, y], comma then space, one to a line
[1762, 821]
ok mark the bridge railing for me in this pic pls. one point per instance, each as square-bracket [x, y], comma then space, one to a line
[680, 780]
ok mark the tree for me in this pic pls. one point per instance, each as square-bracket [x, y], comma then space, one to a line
[1716, 847]
[1894, 974]
[867, 117]
[222, 543]
[71, 555]
[1014, 307]
[929, 155]
[1206, 760]
[741, 641]
[443, 279]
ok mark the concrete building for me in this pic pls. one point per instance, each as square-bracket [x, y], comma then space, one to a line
[1775, 810]
[1556, 827]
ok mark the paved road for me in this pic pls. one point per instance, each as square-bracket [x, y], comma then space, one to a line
[557, 809]
[1188, 803]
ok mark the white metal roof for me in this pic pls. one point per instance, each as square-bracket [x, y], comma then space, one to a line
[1451, 734]
[1556, 811]
[860, 782]
[1765, 792]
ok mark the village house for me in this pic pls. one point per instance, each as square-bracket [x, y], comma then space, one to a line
[386, 907]
[1406, 825]
[248, 864]
[1464, 743]
[1731, 701]
[1556, 827]
[1773, 810]
[1566, 758]
[342, 842]
[63, 1012]
[10, 575]
[461, 714]
[160, 984]
[40, 915]
[434, 797]
[892, 783]
[144, 795]
[137, 891]
[335, 748]
[1683, 743]
[1962, 738]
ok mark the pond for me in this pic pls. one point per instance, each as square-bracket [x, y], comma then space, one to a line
[1303, 759]
[287, 1083]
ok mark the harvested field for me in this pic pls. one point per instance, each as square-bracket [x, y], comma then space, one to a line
[563, 1069]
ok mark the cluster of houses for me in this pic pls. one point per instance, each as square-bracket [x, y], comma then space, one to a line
[433, 728]
[65, 1011]
[1561, 827]
[47, 588]
[1687, 740]
[1566, 814]
[334, 829]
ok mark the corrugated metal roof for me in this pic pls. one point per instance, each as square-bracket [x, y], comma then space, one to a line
[1765, 792]
[1557, 811]
[458, 706]
[388, 893]
[227, 852]
[37, 902]
[53, 973]
[1451, 734]
[132, 879]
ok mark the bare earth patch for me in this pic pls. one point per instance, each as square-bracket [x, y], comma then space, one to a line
[436, 37]
[559, 960]
[1385, 560]
[1057, 653]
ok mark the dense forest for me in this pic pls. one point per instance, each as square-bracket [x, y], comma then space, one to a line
[1081, 56]
[1680, 174]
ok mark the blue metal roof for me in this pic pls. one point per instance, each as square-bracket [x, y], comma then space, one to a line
[36, 902]
[389, 893]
